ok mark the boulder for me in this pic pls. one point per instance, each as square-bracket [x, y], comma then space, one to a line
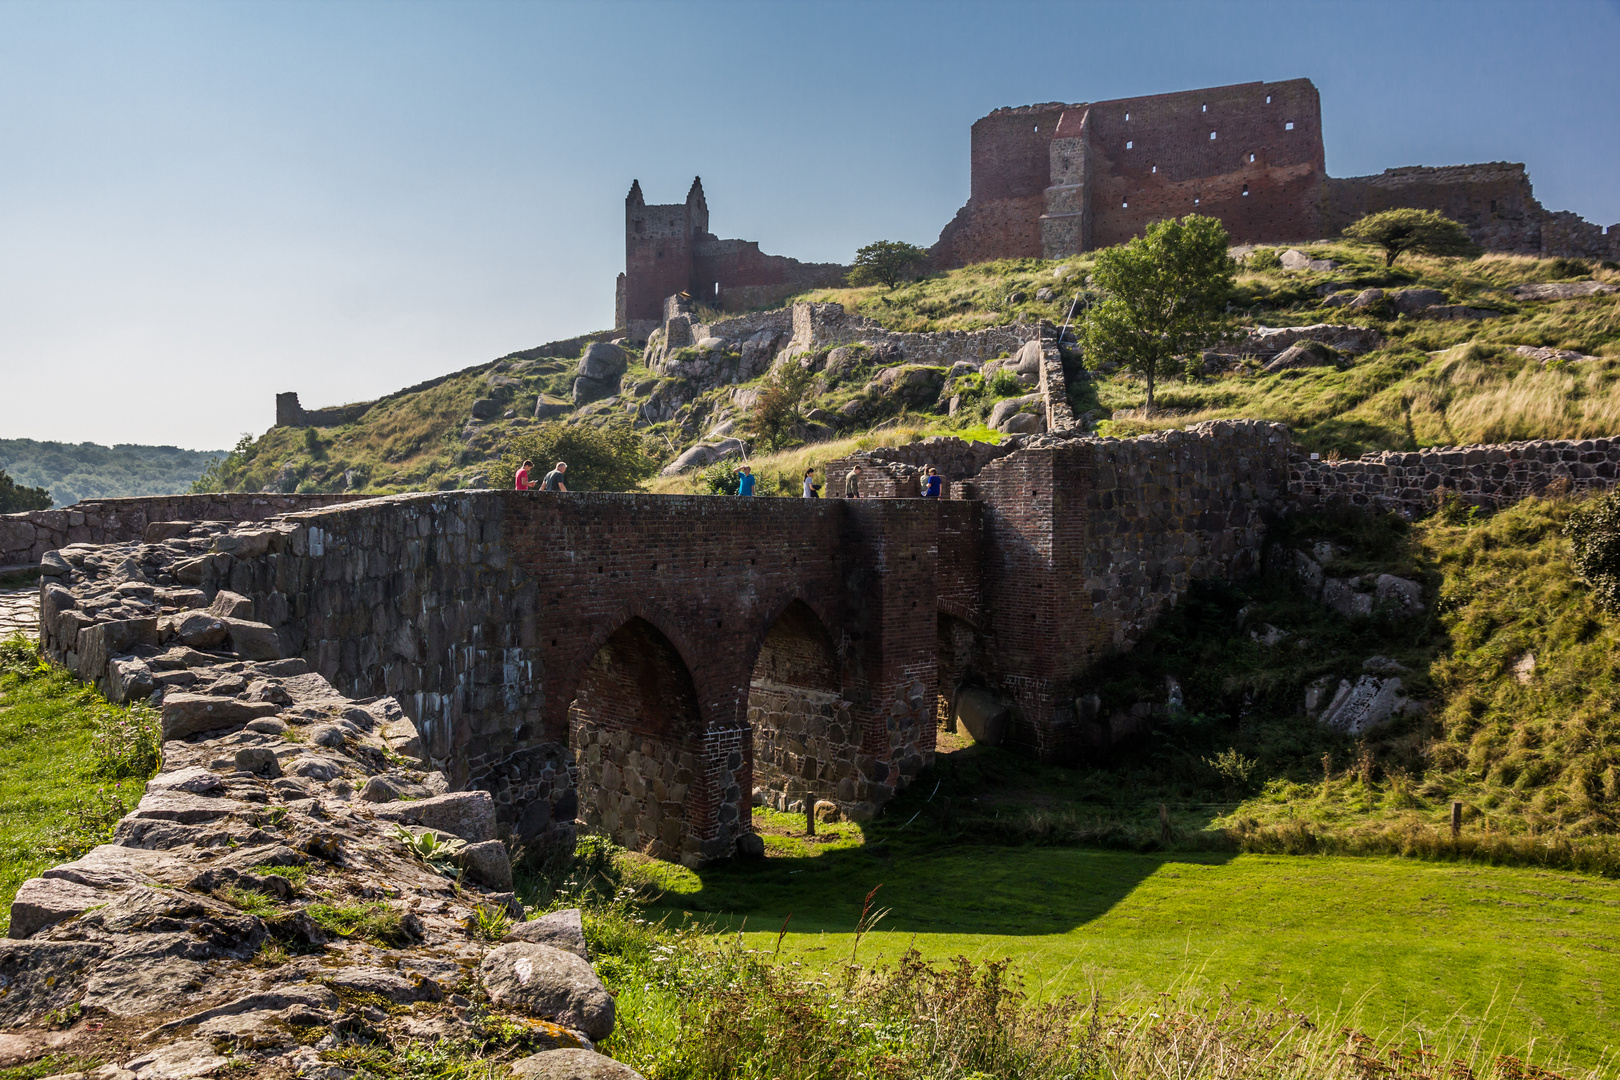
[487, 863]
[704, 454]
[1026, 362]
[602, 361]
[1294, 259]
[1365, 704]
[1367, 298]
[229, 605]
[1302, 355]
[188, 714]
[258, 759]
[42, 902]
[589, 390]
[571, 1064]
[913, 385]
[467, 814]
[1007, 407]
[547, 407]
[750, 846]
[1561, 290]
[253, 640]
[485, 409]
[846, 360]
[200, 630]
[982, 714]
[559, 929]
[1023, 423]
[1412, 301]
[550, 984]
[128, 679]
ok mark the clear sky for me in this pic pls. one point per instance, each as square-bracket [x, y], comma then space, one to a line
[202, 204]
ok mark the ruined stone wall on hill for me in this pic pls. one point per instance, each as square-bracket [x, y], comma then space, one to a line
[1491, 477]
[27, 536]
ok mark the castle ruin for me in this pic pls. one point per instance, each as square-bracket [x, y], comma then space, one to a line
[1060, 179]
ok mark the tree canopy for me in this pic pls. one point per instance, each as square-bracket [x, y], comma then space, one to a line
[1164, 297]
[15, 498]
[886, 262]
[1426, 232]
[776, 409]
[610, 458]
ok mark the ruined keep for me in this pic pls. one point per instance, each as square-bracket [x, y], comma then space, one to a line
[668, 249]
[1059, 179]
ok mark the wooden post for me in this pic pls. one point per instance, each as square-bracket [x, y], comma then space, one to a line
[809, 815]
[1164, 822]
[1456, 817]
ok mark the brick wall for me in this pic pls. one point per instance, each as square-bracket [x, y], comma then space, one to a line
[1487, 476]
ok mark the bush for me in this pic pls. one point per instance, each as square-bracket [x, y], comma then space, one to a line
[127, 742]
[14, 498]
[776, 410]
[1594, 533]
[1263, 259]
[606, 459]
[1005, 384]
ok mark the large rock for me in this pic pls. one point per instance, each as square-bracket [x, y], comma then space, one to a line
[488, 863]
[253, 640]
[1365, 704]
[1561, 290]
[1026, 362]
[982, 714]
[1007, 407]
[188, 714]
[1023, 423]
[1412, 301]
[201, 630]
[603, 362]
[42, 902]
[918, 386]
[589, 390]
[1367, 298]
[559, 929]
[1302, 355]
[571, 1065]
[546, 407]
[467, 814]
[40, 976]
[704, 454]
[550, 984]
[1294, 259]
[1364, 595]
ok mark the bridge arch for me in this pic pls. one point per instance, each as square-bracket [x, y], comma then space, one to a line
[805, 739]
[638, 736]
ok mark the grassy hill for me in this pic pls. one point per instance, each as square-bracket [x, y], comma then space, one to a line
[71, 472]
[1430, 383]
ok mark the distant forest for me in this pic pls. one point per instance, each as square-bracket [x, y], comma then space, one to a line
[75, 471]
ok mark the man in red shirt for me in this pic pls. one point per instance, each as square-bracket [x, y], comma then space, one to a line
[523, 477]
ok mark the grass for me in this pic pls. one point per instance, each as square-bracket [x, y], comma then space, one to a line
[377, 923]
[58, 796]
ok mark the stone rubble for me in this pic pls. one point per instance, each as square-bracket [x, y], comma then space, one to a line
[218, 928]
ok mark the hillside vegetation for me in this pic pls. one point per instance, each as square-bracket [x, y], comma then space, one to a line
[75, 471]
[1430, 382]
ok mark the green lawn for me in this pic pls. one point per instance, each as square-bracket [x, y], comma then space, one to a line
[48, 771]
[1529, 953]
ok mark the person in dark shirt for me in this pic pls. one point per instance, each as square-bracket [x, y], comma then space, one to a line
[554, 478]
[931, 484]
[852, 483]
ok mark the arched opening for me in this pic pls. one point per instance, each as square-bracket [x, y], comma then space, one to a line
[636, 733]
[805, 740]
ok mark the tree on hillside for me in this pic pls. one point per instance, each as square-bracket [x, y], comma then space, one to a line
[14, 498]
[776, 410]
[607, 459]
[1164, 294]
[886, 263]
[1423, 231]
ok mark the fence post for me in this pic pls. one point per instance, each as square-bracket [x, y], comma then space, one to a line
[1456, 817]
[809, 815]
[1164, 822]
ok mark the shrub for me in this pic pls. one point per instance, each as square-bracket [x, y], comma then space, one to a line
[1005, 384]
[776, 410]
[1263, 259]
[1594, 533]
[14, 498]
[1426, 232]
[127, 741]
[606, 459]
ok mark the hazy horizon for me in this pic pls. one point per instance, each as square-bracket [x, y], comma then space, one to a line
[205, 204]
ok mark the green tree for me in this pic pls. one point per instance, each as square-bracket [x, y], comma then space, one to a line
[886, 263]
[776, 410]
[1164, 294]
[610, 458]
[1423, 231]
[226, 473]
[14, 498]
[1594, 532]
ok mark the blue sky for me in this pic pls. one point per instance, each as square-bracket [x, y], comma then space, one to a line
[202, 204]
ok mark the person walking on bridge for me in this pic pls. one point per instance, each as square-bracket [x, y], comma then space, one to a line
[812, 490]
[522, 481]
[852, 483]
[931, 484]
[554, 478]
[745, 481]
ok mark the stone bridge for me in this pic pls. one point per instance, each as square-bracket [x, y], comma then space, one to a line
[647, 663]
